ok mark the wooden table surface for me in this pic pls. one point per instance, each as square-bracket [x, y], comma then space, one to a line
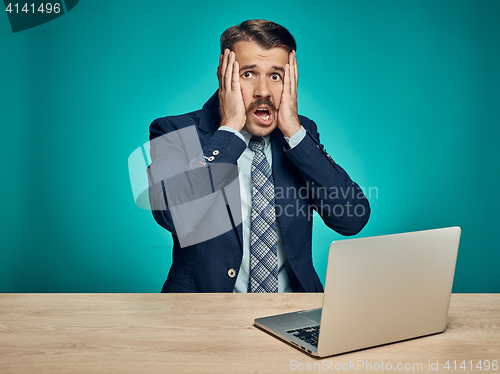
[214, 333]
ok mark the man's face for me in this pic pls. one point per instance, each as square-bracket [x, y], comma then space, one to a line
[261, 81]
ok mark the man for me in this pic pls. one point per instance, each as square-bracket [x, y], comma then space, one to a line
[284, 173]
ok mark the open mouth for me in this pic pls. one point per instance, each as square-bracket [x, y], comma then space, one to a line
[263, 115]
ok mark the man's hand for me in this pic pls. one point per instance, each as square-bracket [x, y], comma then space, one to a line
[288, 118]
[231, 106]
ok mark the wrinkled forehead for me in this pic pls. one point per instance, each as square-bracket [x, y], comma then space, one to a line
[248, 53]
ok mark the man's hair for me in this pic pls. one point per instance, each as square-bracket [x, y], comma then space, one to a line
[265, 34]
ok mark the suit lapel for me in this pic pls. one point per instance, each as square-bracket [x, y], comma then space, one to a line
[280, 178]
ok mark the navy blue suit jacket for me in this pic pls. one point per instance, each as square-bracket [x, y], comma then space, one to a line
[205, 267]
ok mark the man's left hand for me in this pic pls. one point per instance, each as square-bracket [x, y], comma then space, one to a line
[288, 118]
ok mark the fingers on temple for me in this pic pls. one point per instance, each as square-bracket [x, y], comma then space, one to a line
[287, 81]
[235, 83]
[293, 73]
[229, 71]
[296, 67]
[223, 69]
[219, 71]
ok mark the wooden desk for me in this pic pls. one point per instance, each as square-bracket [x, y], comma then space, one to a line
[211, 333]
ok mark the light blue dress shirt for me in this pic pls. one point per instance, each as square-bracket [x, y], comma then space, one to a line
[245, 179]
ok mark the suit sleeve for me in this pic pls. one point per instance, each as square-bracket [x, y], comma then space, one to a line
[338, 200]
[181, 171]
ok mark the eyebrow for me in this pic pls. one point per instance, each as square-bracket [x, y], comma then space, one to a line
[278, 68]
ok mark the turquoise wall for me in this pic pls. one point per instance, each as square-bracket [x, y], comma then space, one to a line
[405, 94]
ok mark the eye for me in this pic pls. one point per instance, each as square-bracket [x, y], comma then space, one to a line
[247, 74]
[275, 77]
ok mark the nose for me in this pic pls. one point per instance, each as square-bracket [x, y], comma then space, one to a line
[262, 88]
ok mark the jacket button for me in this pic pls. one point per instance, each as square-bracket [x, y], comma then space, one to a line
[211, 158]
[216, 152]
[231, 273]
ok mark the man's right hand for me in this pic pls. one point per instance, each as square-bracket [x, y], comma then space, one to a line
[231, 107]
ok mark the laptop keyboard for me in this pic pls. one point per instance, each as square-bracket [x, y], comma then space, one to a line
[308, 334]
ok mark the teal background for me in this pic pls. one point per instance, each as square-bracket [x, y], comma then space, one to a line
[405, 94]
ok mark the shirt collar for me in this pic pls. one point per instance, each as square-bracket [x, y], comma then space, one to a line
[247, 136]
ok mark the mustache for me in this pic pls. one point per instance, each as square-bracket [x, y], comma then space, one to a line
[259, 102]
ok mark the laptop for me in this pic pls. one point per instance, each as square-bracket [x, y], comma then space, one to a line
[378, 290]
